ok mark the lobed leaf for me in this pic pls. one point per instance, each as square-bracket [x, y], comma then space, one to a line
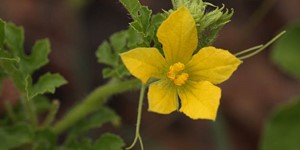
[118, 41]
[14, 38]
[38, 57]
[46, 84]
[96, 120]
[132, 7]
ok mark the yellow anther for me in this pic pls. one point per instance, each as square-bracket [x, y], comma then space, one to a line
[178, 66]
[181, 79]
[175, 74]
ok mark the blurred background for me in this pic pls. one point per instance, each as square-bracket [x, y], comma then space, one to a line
[77, 27]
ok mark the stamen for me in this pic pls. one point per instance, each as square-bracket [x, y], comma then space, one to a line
[181, 79]
[175, 74]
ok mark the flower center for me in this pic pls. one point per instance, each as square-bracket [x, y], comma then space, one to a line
[176, 75]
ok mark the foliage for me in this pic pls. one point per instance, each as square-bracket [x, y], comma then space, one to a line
[143, 28]
[283, 128]
[19, 66]
[22, 128]
[286, 51]
[141, 33]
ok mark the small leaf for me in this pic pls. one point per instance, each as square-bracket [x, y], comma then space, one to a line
[135, 39]
[142, 22]
[105, 54]
[46, 84]
[84, 144]
[286, 52]
[144, 17]
[156, 21]
[96, 120]
[282, 131]
[38, 57]
[15, 39]
[132, 7]
[102, 116]
[109, 141]
[118, 41]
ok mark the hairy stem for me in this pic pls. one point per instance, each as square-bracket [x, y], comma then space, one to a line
[93, 101]
[51, 115]
[30, 111]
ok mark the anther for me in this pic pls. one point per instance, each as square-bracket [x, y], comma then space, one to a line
[175, 74]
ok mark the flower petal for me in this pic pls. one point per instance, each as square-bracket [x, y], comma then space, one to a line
[162, 97]
[212, 64]
[178, 35]
[144, 63]
[200, 100]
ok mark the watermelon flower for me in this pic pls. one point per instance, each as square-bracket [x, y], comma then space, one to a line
[184, 81]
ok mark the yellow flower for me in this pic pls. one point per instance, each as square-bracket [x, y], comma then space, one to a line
[182, 75]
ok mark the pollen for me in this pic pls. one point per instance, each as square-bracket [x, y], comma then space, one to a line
[177, 75]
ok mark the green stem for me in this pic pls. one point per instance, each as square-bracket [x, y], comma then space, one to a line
[248, 50]
[28, 104]
[30, 111]
[93, 101]
[138, 121]
[51, 115]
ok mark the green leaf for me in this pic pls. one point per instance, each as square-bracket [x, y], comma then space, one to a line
[46, 84]
[135, 39]
[282, 131]
[102, 116]
[286, 52]
[84, 144]
[156, 21]
[142, 21]
[105, 54]
[109, 141]
[96, 120]
[2, 33]
[118, 41]
[140, 14]
[15, 136]
[132, 7]
[144, 17]
[15, 39]
[38, 57]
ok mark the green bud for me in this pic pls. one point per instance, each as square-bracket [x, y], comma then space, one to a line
[208, 23]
